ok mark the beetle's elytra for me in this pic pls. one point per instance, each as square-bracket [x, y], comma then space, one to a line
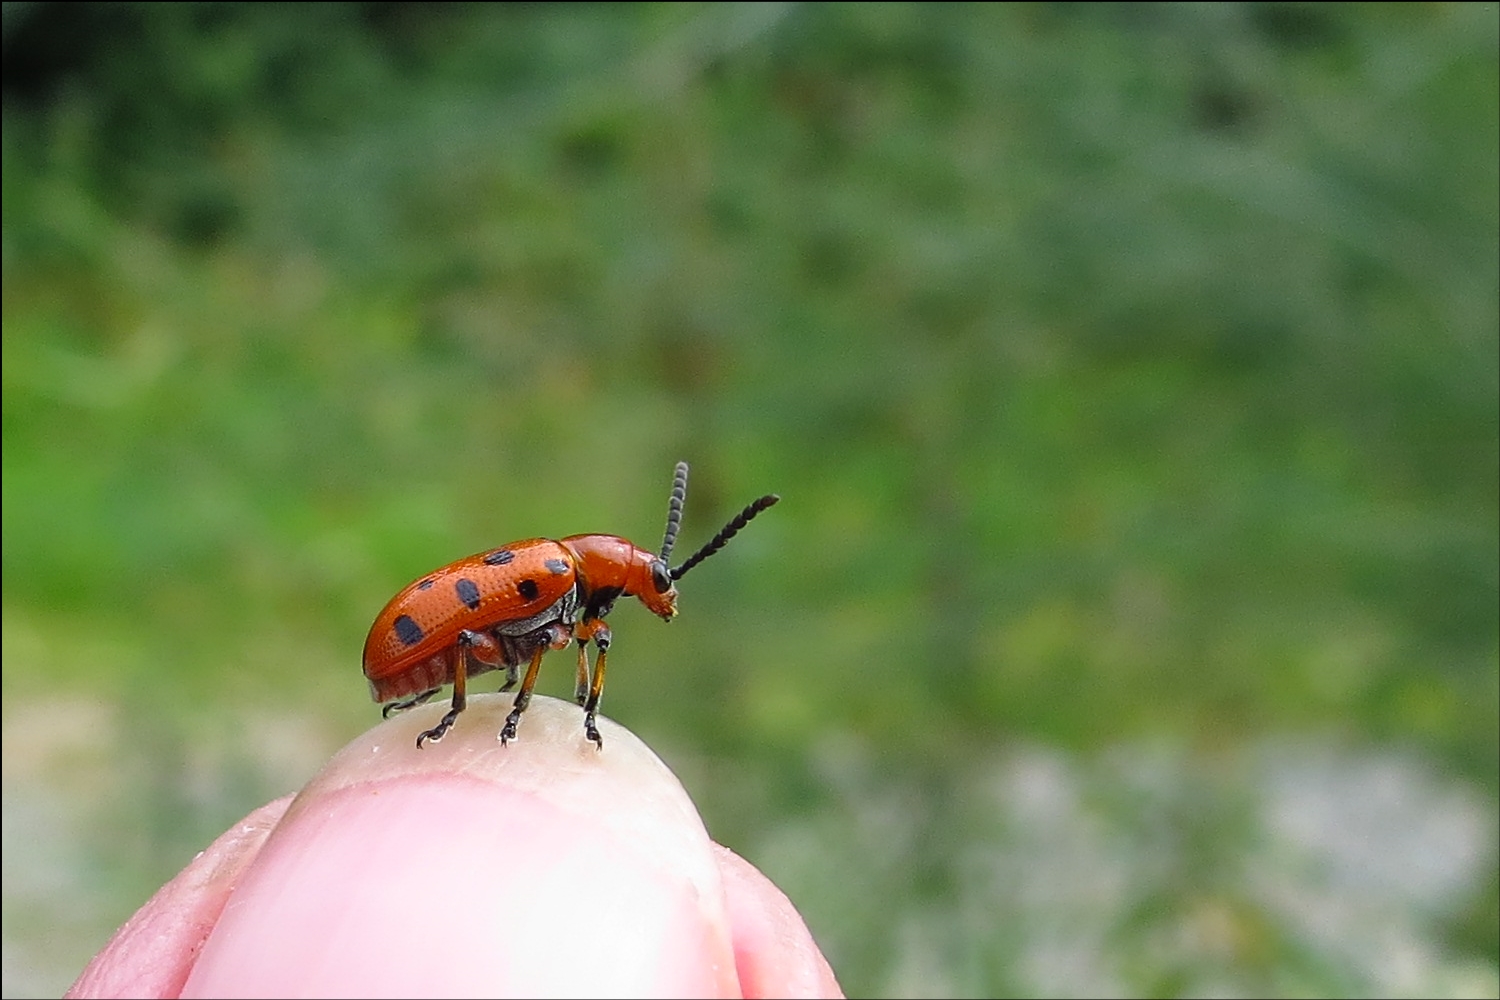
[509, 605]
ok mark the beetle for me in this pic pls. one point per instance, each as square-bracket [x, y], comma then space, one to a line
[507, 606]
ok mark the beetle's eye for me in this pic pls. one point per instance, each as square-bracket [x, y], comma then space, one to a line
[660, 577]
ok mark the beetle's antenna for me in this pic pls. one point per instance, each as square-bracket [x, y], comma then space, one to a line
[729, 531]
[674, 509]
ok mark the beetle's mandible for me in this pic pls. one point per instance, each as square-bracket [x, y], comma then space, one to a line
[507, 606]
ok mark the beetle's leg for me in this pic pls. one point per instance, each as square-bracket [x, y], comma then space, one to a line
[523, 698]
[412, 702]
[485, 651]
[466, 639]
[488, 650]
[602, 638]
[552, 636]
[581, 688]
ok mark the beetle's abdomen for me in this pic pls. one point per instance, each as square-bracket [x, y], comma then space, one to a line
[433, 672]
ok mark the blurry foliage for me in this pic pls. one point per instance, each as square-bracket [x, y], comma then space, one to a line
[1128, 370]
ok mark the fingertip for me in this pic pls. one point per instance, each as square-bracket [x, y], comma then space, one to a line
[466, 868]
[623, 786]
[469, 868]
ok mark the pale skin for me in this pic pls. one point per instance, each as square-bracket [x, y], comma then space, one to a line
[467, 868]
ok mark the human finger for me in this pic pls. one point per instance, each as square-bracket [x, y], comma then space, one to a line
[468, 868]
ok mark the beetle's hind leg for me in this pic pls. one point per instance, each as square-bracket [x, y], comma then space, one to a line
[412, 702]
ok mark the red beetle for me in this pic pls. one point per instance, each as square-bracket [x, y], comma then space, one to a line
[507, 606]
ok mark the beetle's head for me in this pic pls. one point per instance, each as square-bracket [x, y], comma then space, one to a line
[611, 565]
[654, 586]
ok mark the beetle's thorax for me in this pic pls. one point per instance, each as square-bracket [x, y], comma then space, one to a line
[611, 563]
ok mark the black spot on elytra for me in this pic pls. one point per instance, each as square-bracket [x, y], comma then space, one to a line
[528, 589]
[408, 631]
[556, 567]
[499, 557]
[426, 584]
[468, 593]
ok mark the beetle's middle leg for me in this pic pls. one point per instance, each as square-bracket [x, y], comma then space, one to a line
[554, 636]
[467, 640]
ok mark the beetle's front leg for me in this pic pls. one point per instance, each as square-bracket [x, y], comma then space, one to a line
[602, 639]
[581, 686]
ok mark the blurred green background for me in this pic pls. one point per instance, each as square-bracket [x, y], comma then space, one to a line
[1128, 372]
